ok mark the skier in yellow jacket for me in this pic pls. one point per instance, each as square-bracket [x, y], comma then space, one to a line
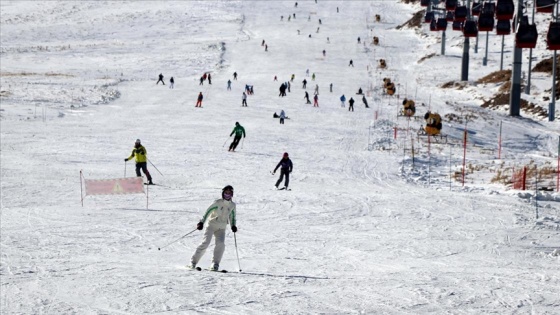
[139, 154]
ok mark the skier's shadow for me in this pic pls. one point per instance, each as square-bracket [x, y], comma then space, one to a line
[284, 276]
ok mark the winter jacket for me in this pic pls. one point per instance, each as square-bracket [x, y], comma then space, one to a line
[239, 131]
[343, 98]
[285, 164]
[219, 214]
[139, 154]
[282, 114]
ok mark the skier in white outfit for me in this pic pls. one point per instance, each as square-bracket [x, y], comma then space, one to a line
[218, 215]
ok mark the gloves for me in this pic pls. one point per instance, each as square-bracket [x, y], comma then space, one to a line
[126, 160]
[199, 225]
[234, 228]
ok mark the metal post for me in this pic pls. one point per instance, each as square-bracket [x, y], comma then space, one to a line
[443, 43]
[466, 47]
[476, 44]
[502, 55]
[515, 91]
[528, 87]
[485, 59]
[552, 106]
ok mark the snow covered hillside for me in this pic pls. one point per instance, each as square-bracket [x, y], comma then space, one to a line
[370, 225]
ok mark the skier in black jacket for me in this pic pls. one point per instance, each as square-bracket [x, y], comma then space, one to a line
[286, 167]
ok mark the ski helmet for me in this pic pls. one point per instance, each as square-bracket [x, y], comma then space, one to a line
[237, 123]
[137, 140]
[285, 154]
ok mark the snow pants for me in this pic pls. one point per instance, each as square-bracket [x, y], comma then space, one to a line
[235, 142]
[144, 167]
[284, 172]
[220, 245]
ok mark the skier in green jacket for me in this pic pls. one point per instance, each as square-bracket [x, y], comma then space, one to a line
[239, 131]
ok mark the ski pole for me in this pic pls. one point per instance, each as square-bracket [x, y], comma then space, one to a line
[226, 142]
[154, 166]
[236, 253]
[242, 142]
[159, 248]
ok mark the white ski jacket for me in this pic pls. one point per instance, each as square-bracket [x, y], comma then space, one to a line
[219, 214]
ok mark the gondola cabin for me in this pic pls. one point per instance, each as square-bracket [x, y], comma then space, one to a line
[486, 22]
[425, 3]
[449, 16]
[429, 17]
[433, 26]
[470, 29]
[526, 36]
[461, 13]
[505, 9]
[450, 4]
[545, 6]
[476, 8]
[553, 36]
[489, 7]
[503, 27]
[457, 26]
[441, 24]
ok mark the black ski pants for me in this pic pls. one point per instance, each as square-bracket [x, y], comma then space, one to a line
[235, 142]
[144, 167]
[284, 172]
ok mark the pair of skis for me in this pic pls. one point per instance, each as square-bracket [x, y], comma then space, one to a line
[200, 269]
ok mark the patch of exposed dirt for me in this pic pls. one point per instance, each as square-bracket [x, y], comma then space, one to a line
[454, 84]
[426, 57]
[496, 77]
[502, 99]
[546, 66]
[415, 21]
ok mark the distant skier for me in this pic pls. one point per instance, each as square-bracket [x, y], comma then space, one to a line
[209, 78]
[342, 100]
[199, 100]
[365, 101]
[219, 214]
[313, 76]
[139, 154]
[160, 79]
[360, 91]
[307, 72]
[292, 77]
[359, 40]
[239, 131]
[351, 104]
[316, 101]
[304, 83]
[201, 81]
[235, 75]
[316, 89]
[351, 63]
[262, 44]
[244, 100]
[171, 83]
[307, 98]
[283, 87]
[282, 117]
[330, 87]
[286, 167]
[324, 53]
[229, 85]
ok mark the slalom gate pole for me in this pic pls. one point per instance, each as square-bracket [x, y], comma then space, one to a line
[236, 252]
[124, 169]
[180, 238]
[154, 166]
